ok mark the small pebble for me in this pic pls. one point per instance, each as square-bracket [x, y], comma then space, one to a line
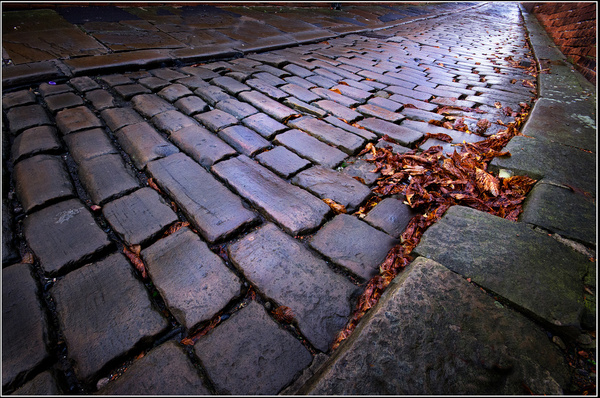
[558, 341]
[584, 339]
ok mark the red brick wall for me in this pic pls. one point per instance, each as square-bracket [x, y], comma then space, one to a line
[572, 26]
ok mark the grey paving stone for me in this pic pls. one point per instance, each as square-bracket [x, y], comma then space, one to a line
[282, 161]
[35, 140]
[269, 78]
[194, 282]
[300, 92]
[303, 107]
[116, 79]
[385, 103]
[106, 177]
[421, 115]
[23, 117]
[202, 145]
[404, 100]
[266, 88]
[529, 269]
[274, 262]
[321, 72]
[273, 70]
[334, 96]
[149, 105]
[264, 125]
[89, 144]
[210, 207]
[167, 74]
[311, 148]
[171, 121]
[139, 216]
[174, 92]
[24, 324]
[338, 110]
[216, 119]
[352, 92]
[560, 210]
[391, 216]
[327, 183]
[457, 135]
[42, 179]
[244, 140]
[17, 98]
[117, 118]
[200, 72]
[236, 108]
[431, 321]
[381, 113]
[298, 70]
[103, 299]
[346, 141]
[418, 95]
[76, 119]
[191, 105]
[128, 91]
[193, 82]
[401, 134]
[42, 384]
[353, 244]
[251, 354]
[361, 170]
[84, 84]
[150, 376]
[294, 209]
[154, 83]
[144, 144]
[212, 94]
[63, 235]
[361, 132]
[62, 101]
[230, 85]
[301, 82]
[267, 105]
[100, 99]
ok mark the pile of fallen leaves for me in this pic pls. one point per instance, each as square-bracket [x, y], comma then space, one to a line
[431, 182]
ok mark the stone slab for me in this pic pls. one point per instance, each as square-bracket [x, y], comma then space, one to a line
[210, 207]
[63, 235]
[42, 179]
[216, 119]
[150, 376]
[24, 117]
[103, 300]
[346, 141]
[61, 101]
[285, 271]
[236, 108]
[117, 61]
[144, 144]
[282, 161]
[201, 145]
[106, 177]
[244, 140]
[264, 125]
[391, 216]
[100, 99]
[331, 184]
[76, 119]
[311, 148]
[42, 139]
[193, 281]
[250, 354]
[149, 105]
[269, 106]
[117, 118]
[139, 216]
[89, 144]
[353, 244]
[24, 325]
[401, 134]
[171, 121]
[294, 209]
[434, 333]
[531, 270]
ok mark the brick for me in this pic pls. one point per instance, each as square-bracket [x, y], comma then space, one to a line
[62, 101]
[191, 105]
[18, 98]
[76, 119]
[144, 144]
[35, 140]
[105, 177]
[267, 105]
[64, 235]
[353, 244]
[194, 282]
[403, 135]
[236, 108]
[274, 262]
[282, 161]
[149, 105]
[244, 140]
[311, 148]
[100, 99]
[124, 303]
[229, 84]
[117, 118]
[202, 145]
[210, 207]
[174, 92]
[266, 88]
[329, 184]
[42, 179]
[128, 91]
[250, 336]
[89, 144]
[171, 121]
[23, 117]
[347, 142]
[294, 209]
[264, 125]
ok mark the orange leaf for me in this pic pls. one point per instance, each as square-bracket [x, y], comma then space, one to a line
[498, 105]
[136, 261]
[487, 182]
[176, 227]
[344, 84]
[335, 90]
[283, 314]
[336, 207]
[153, 185]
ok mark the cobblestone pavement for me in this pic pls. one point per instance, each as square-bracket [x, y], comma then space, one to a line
[165, 230]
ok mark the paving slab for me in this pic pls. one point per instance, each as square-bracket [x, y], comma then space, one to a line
[40, 180]
[34, 141]
[24, 324]
[201, 145]
[210, 207]
[294, 209]
[106, 177]
[353, 244]
[139, 216]
[531, 270]
[193, 281]
[311, 148]
[344, 140]
[285, 271]
[150, 376]
[250, 354]
[434, 333]
[24, 117]
[88, 144]
[103, 299]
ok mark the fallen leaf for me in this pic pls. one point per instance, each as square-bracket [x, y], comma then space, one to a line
[343, 83]
[487, 182]
[153, 185]
[290, 117]
[409, 106]
[498, 105]
[283, 314]
[136, 261]
[335, 90]
[483, 125]
[336, 207]
[27, 258]
[176, 227]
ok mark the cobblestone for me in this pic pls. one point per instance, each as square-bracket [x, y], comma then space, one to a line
[344, 140]
[201, 145]
[149, 105]
[267, 105]
[282, 161]
[61, 101]
[264, 125]
[35, 140]
[171, 121]
[144, 144]
[100, 99]
[401, 134]
[76, 119]
[116, 118]
[24, 117]
[311, 148]
[89, 144]
[216, 119]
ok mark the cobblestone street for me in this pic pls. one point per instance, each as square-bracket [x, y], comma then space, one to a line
[168, 230]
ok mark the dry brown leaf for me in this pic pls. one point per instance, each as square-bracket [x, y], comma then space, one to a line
[283, 314]
[336, 207]
[136, 261]
[335, 90]
[153, 185]
[176, 227]
[487, 182]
